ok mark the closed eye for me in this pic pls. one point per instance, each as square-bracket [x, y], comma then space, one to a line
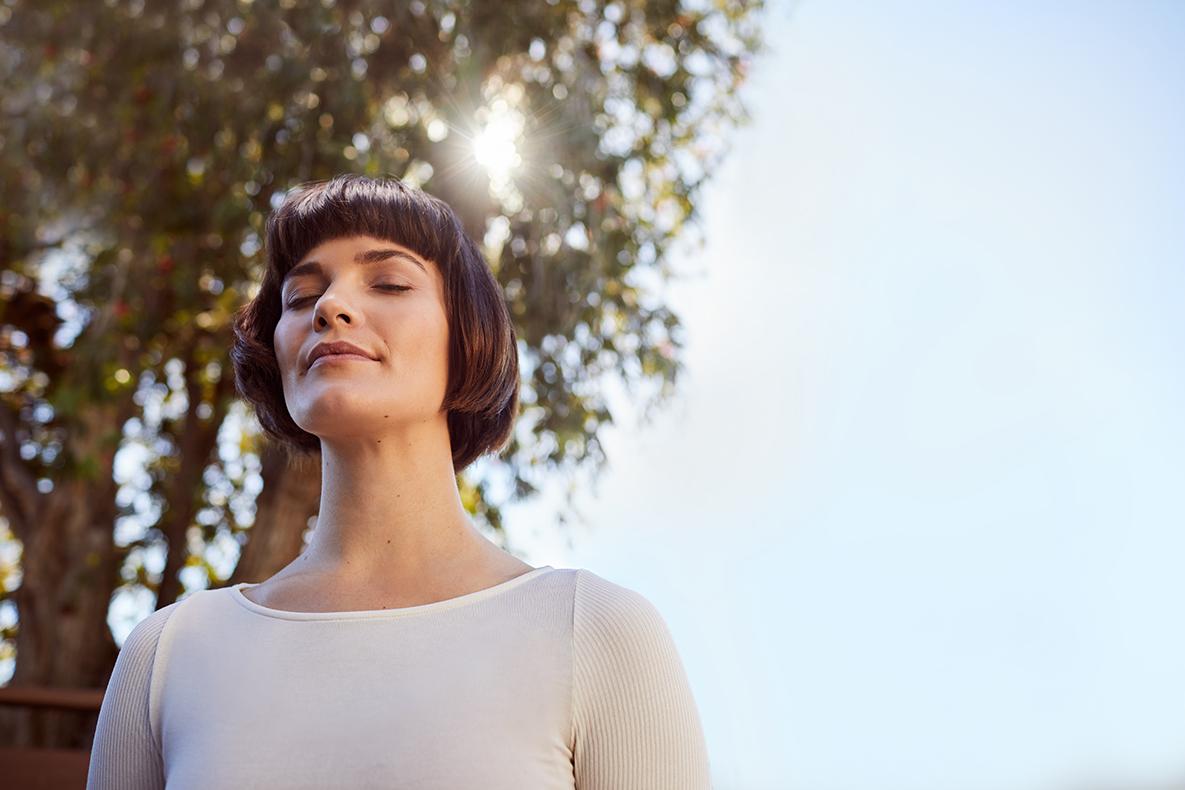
[299, 301]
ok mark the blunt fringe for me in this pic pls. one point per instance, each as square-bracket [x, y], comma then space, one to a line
[482, 396]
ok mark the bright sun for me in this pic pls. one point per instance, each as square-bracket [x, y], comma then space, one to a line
[495, 147]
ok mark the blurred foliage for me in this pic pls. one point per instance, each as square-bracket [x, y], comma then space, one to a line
[142, 146]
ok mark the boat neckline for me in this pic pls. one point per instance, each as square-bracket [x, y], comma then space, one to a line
[236, 591]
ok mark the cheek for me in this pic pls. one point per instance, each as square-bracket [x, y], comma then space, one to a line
[282, 343]
[436, 338]
[413, 334]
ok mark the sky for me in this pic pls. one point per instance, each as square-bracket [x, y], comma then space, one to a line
[916, 518]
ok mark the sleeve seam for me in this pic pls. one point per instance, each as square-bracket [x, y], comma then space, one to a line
[156, 676]
[573, 696]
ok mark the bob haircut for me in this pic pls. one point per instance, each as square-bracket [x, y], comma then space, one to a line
[482, 396]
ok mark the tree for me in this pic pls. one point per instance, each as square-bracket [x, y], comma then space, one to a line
[141, 148]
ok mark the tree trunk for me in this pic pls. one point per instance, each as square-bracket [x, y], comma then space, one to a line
[70, 568]
[198, 439]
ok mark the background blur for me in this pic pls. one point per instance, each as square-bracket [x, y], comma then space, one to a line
[917, 519]
[901, 465]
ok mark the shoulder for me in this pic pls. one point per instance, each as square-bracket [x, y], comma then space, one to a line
[137, 677]
[635, 721]
[615, 626]
[604, 604]
[135, 665]
[125, 751]
[141, 641]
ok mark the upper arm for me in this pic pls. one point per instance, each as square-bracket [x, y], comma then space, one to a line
[635, 721]
[124, 753]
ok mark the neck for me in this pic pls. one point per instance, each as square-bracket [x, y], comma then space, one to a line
[390, 510]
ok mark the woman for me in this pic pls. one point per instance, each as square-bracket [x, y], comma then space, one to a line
[401, 649]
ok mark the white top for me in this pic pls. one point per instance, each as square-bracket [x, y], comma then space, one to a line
[556, 678]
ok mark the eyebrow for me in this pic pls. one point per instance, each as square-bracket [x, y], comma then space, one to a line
[364, 257]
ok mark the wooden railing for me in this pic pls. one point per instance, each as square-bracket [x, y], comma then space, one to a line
[47, 769]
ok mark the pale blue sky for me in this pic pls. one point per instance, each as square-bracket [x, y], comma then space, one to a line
[917, 519]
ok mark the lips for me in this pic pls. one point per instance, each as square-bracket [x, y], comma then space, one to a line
[331, 358]
[337, 347]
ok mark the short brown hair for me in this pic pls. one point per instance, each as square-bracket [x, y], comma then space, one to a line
[483, 373]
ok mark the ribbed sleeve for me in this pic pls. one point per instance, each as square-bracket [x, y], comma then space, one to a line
[635, 721]
[125, 755]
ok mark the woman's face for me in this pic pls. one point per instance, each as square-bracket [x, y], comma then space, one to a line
[388, 301]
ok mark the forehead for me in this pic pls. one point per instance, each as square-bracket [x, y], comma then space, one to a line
[360, 250]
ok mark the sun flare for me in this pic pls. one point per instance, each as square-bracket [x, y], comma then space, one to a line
[495, 146]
